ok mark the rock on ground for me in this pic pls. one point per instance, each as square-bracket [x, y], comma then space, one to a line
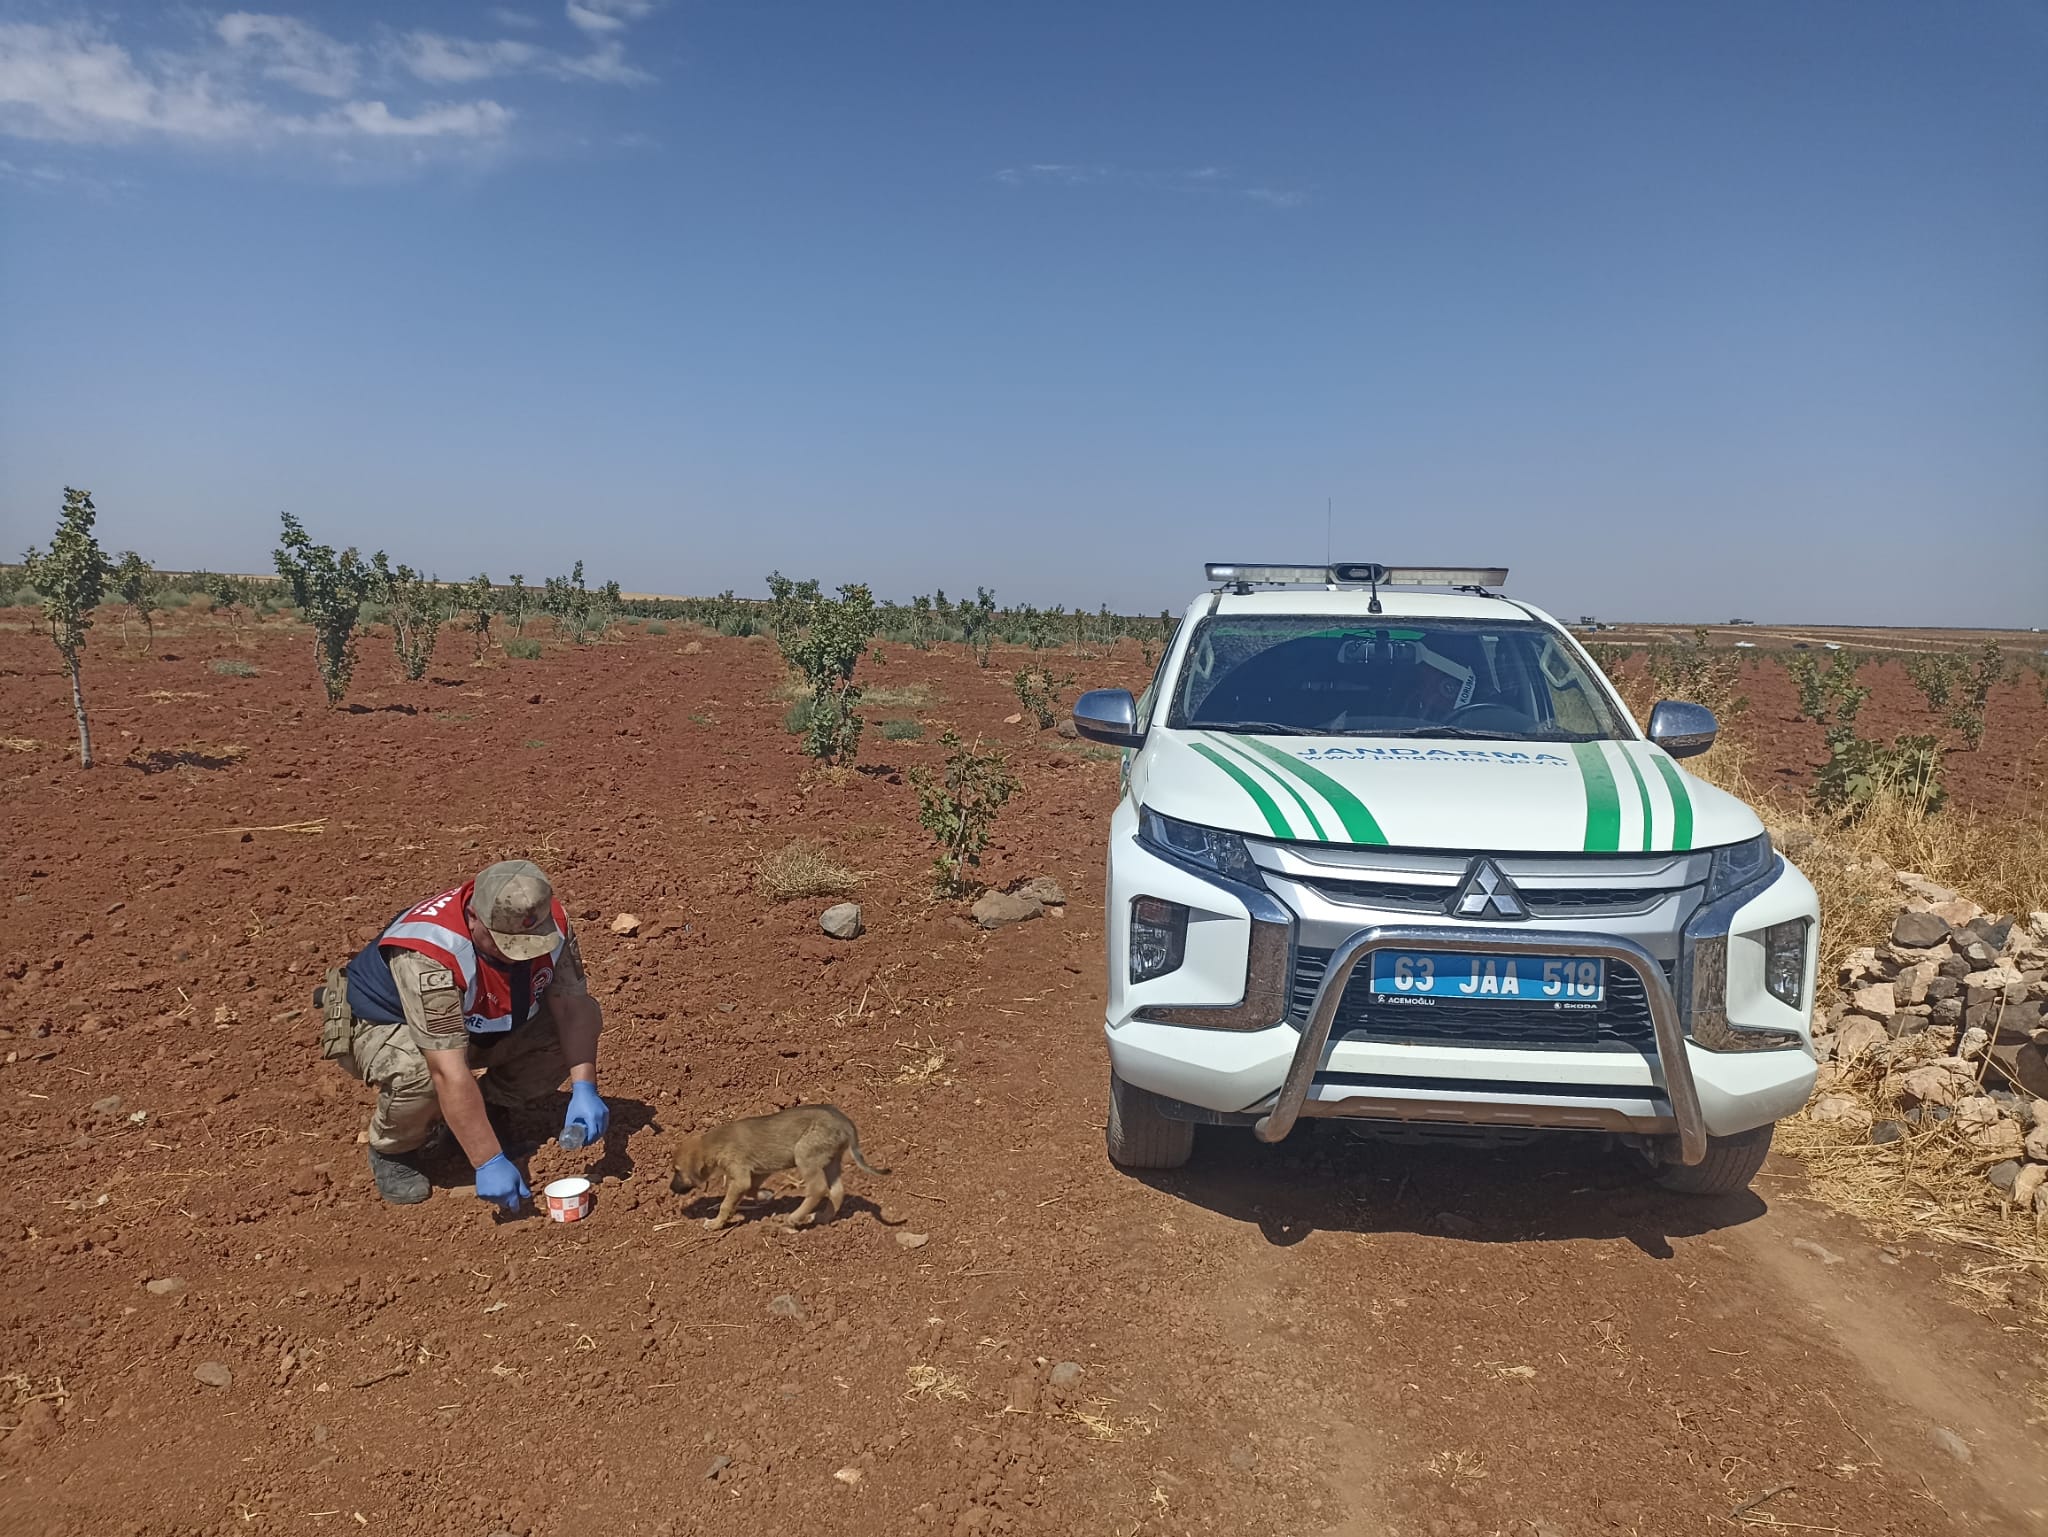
[842, 921]
[1859, 1037]
[999, 909]
[1839, 1109]
[1919, 931]
[1944, 1081]
[2029, 1179]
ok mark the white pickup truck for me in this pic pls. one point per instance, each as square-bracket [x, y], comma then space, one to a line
[1401, 856]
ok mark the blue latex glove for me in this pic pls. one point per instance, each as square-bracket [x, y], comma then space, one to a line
[588, 1116]
[500, 1181]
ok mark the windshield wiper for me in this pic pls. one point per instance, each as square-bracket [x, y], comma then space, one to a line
[1261, 728]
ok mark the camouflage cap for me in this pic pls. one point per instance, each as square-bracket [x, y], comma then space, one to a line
[515, 902]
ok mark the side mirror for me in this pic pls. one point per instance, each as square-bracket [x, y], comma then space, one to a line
[1683, 730]
[1110, 716]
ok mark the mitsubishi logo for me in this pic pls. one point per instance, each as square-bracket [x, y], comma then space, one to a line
[1487, 892]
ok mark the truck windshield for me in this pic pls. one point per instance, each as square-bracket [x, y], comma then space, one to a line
[1312, 676]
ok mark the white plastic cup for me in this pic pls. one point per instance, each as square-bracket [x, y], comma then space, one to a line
[567, 1200]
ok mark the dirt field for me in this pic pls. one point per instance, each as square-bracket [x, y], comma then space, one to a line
[1330, 1336]
[2005, 770]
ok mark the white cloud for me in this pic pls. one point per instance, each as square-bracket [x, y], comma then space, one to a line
[605, 63]
[71, 83]
[64, 82]
[458, 60]
[505, 16]
[442, 60]
[372, 119]
[607, 15]
[1276, 197]
[291, 52]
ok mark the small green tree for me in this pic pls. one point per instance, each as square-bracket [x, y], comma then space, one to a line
[824, 640]
[517, 602]
[71, 579]
[1983, 675]
[978, 623]
[1696, 672]
[959, 806]
[578, 612]
[1039, 692]
[139, 585]
[1860, 769]
[230, 596]
[329, 591]
[415, 607]
[1935, 674]
[921, 623]
[475, 598]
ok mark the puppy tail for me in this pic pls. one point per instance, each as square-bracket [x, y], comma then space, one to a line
[853, 1152]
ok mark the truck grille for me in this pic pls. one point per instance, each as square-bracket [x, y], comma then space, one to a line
[1406, 897]
[1622, 1022]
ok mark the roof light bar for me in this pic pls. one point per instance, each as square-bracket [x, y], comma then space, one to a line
[1234, 571]
[1357, 573]
[1445, 576]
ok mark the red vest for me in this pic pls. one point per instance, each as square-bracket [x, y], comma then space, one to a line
[439, 929]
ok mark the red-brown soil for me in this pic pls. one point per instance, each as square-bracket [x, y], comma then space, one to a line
[2006, 771]
[1328, 1336]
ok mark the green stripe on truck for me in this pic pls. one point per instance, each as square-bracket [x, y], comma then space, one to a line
[1681, 801]
[1642, 789]
[1603, 802]
[1266, 804]
[1293, 794]
[1358, 822]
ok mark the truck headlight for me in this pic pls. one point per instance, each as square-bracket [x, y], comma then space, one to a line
[1739, 865]
[1785, 961]
[1189, 843]
[1159, 937]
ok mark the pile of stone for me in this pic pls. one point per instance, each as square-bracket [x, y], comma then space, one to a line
[1943, 1024]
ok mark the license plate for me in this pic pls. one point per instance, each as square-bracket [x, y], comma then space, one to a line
[1427, 977]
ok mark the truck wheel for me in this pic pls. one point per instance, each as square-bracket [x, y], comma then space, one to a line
[1139, 1136]
[1731, 1163]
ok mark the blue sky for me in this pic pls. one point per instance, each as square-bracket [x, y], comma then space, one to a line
[1681, 311]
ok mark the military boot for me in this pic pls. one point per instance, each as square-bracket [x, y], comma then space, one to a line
[399, 1179]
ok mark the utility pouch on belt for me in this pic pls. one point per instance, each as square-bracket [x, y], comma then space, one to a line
[337, 1019]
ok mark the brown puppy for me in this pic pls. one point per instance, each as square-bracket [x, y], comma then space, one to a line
[810, 1139]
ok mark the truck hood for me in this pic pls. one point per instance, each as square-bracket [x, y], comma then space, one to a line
[1496, 797]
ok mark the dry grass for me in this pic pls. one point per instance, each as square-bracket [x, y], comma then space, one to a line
[18, 743]
[1928, 1185]
[880, 696]
[1999, 861]
[803, 868]
[922, 1061]
[1457, 1467]
[935, 1382]
[897, 696]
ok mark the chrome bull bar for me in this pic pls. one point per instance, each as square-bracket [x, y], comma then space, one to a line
[1673, 1068]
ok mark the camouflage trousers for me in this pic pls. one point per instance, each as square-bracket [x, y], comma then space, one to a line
[519, 1069]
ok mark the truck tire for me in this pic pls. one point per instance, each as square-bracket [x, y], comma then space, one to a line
[1139, 1136]
[1731, 1163]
